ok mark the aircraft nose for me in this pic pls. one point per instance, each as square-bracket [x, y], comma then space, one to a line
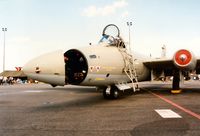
[48, 68]
[35, 65]
[29, 67]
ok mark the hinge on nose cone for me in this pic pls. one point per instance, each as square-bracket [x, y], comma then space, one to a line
[37, 70]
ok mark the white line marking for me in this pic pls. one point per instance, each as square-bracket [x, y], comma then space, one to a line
[33, 91]
[1, 94]
[167, 113]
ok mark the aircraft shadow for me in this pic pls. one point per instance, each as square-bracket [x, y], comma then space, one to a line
[88, 101]
[96, 99]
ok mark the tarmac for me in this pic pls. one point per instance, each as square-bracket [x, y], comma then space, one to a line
[40, 110]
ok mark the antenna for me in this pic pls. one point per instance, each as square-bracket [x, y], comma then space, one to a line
[163, 53]
[129, 24]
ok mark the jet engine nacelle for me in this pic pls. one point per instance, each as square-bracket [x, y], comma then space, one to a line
[185, 59]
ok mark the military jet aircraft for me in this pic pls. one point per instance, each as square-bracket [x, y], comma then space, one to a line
[110, 66]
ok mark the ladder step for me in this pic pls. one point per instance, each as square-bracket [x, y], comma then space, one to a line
[122, 86]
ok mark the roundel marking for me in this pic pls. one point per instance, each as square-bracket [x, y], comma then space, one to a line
[183, 57]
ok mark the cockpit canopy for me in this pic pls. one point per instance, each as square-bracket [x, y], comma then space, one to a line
[109, 39]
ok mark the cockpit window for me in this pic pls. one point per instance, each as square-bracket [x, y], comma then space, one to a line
[107, 39]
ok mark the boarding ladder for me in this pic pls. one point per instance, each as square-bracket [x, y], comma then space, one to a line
[129, 67]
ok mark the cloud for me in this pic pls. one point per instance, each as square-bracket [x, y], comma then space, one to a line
[125, 14]
[93, 11]
[20, 39]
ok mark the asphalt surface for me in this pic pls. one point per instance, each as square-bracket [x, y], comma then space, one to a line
[40, 110]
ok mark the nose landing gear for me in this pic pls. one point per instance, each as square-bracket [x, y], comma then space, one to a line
[111, 92]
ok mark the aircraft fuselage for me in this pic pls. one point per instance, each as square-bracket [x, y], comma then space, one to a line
[99, 65]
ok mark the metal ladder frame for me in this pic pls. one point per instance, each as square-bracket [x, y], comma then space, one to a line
[129, 67]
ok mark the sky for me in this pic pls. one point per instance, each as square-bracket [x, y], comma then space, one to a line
[35, 27]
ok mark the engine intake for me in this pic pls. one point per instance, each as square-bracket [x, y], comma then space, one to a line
[76, 67]
[184, 59]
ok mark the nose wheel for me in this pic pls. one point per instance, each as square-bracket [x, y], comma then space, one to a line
[111, 93]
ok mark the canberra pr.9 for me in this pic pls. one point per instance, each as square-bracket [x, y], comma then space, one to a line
[110, 66]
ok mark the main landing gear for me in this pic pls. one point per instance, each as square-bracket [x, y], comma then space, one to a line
[176, 82]
[111, 92]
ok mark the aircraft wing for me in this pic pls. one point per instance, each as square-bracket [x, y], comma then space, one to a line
[183, 60]
[159, 63]
[168, 64]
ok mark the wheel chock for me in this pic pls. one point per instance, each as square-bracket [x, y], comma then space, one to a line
[176, 91]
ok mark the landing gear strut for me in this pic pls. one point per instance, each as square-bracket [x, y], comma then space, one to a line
[111, 92]
[176, 82]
